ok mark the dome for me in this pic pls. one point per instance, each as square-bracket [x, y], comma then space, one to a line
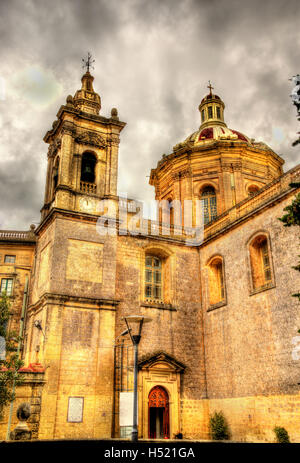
[213, 126]
[210, 96]
[217, 132]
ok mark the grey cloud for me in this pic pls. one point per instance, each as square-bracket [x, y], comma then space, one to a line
[153, 61]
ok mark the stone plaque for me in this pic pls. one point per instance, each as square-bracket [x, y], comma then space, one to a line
[126, 408]
[75, 410]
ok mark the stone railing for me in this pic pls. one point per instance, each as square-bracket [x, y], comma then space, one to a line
[11, 235]
[242, 209]
[87, 187]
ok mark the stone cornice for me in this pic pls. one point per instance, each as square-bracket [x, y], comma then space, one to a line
[60, 299]
[79, 115]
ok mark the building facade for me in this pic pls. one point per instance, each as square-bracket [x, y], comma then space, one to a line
[223, 334]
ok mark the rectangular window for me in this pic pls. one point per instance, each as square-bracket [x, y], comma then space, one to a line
[202, 115]
[153, 280]
[6, 285]
[210, 114]
[218, 112]
[10, 259]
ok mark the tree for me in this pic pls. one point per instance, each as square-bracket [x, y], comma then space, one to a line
[292, 217]
[295, 95]
[10, 363]
[218, 427]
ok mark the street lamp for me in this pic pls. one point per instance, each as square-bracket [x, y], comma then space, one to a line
[134, 325]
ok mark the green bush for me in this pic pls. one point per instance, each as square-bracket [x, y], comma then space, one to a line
[281, 435]
[218, 427]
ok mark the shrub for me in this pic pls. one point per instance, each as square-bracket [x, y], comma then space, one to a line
[281, 435]
[218, 427]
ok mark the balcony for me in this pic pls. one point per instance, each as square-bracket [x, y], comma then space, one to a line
[87, 187]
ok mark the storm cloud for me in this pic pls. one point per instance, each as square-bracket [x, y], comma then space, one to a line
[153, 61]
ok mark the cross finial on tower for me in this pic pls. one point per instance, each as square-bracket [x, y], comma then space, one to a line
[210, 87]
[88, 63]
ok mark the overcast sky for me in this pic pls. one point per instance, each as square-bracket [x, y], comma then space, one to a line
[153, 62]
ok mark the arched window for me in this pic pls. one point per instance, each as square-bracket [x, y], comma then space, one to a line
[88, 164]
[252, 190]
[216, 281]
[153, 278]
[209, 204]
[260, 262]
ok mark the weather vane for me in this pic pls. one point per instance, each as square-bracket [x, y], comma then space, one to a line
[210, 87]
[88, 63]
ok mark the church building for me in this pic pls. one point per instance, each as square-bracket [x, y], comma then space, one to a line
[224, 327]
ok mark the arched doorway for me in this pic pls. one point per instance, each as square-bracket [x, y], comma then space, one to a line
[158, 413]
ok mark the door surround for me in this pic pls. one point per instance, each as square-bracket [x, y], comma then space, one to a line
[159, 370]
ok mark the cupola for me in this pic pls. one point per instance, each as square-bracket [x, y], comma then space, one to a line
[211, 110]
[86, 99]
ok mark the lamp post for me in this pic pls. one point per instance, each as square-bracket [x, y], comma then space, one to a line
[134, 325]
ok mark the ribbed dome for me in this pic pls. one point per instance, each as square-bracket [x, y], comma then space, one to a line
[210, 96]
[217, 132]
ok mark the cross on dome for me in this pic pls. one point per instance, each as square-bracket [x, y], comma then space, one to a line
[210, 87]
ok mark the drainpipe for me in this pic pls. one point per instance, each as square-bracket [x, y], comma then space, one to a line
[18, 354]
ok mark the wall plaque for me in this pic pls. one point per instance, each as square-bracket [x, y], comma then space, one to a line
[75, 410]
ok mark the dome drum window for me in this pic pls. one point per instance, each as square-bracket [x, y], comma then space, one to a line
[209, 204]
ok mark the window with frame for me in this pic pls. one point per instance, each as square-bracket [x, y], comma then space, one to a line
[153, 278]
[7, 285]
[218, 112]
[210, 112]
[209, 204]
[203, 115]
[216, 281]
[9, 259]
[260, 263]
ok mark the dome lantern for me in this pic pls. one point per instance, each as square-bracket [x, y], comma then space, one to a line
[211, 110]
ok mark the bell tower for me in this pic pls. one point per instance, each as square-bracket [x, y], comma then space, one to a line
[83, 152]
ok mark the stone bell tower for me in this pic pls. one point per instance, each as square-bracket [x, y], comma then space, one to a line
[82, 154]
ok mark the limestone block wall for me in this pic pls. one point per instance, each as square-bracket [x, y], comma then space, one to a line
[17, 271]
[30, 392]
[79, 364]
[176, 327]
[249, 340]
[252, 419]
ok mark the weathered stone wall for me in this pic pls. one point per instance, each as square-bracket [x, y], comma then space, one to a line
[252, 419]
[249, 339]
[176, 327]
[18, 271]
[77, 311]
[30, 391]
